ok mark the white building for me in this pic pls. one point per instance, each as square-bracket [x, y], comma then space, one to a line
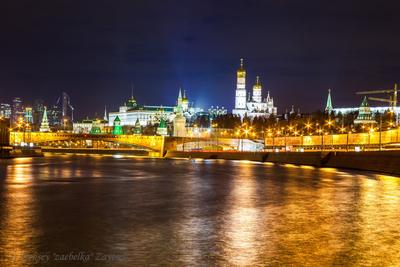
[130, 112]
[252, 105]
[90, 126]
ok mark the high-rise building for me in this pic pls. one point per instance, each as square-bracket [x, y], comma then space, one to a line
[38, 109]
[5, 110]
[67, 111]
[252, 106]
[54, 114]
[28, 115]
[17, 110]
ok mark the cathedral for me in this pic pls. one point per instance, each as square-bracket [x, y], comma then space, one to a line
[251, 105]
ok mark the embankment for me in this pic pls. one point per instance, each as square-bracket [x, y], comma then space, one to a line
[96, 151]
[377, 161]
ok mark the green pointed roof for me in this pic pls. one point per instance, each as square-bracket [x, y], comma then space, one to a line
[117, 119]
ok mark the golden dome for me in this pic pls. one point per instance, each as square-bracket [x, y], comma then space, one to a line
[241, 72]
[257, 85]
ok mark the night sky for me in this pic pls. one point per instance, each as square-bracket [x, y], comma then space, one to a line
[94, 50]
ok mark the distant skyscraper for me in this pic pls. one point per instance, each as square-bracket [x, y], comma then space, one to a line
[54, 114]
[17, 110]
[28, 116]
[329, 107]
[66, 107]
[5, 110]
[38, 109]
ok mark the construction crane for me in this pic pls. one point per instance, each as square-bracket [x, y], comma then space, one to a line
[392, 100]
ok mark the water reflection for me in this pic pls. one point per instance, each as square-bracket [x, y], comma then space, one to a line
[17, 209]
[190, 212]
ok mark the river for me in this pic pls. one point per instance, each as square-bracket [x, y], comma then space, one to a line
[81, 210]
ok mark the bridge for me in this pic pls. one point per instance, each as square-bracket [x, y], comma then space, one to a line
[158, 144]
[151, 143]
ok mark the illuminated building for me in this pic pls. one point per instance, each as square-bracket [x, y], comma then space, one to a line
[131, 111]
[364, 114]
[179, 122]
[17, 110]
[38, 109]
[54, 114]
[87, 126]
[28, 116]
[217, 111]
[44, 126]
[251, 105]
[5, 110]
[67, 109]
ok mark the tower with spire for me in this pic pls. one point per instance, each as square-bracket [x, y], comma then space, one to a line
[44, 125]
[105, 113]
[117, 128]
[329, 108]
[185, 102]
[251, 105]
[241, 95]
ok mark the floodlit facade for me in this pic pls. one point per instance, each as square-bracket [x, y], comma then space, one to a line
[131, 112]
[251, 105]
[90, 126]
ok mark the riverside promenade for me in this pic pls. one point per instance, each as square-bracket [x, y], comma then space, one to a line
[377, 161]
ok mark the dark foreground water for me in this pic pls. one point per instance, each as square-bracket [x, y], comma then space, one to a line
[107, 211]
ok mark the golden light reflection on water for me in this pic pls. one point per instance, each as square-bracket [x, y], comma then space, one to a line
[212, 212]
[241, 227]
[18, 216]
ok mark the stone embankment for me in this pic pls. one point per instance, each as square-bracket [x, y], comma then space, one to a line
[96, 151]
[10, 152]
[377, 161]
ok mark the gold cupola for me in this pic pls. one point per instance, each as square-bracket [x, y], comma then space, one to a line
[257, 85]
[241, 72]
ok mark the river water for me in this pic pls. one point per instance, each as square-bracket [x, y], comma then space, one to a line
[71, 210]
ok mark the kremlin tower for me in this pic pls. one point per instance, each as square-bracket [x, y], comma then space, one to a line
[255, 105]
[240, 97]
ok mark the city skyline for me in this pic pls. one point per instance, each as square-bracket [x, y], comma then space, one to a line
[300, 50]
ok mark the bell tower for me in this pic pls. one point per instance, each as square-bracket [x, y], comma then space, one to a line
[240, 96]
